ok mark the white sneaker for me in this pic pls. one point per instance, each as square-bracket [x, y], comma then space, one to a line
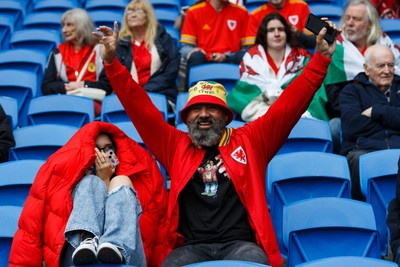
[86, 252]
[109, 253]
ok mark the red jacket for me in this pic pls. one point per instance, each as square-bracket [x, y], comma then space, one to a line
[46, 211]
[245, 151]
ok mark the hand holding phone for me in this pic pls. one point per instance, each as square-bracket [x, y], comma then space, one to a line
[315, 25]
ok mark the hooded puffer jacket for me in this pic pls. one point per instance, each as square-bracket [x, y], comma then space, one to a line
[40, 234]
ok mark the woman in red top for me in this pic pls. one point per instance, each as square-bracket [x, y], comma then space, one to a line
[76, 62]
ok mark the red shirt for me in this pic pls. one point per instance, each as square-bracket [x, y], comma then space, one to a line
[215, 32]
[75, 61]
[295, 12]
[142, 61]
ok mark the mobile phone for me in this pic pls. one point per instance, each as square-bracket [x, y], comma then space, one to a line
[315, 25]
[113, 158]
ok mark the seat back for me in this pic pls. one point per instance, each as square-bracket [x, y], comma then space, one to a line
[36, 39]
[129, 129]
[181, 100]
[303, 175]
[49, 21]
[9, 216]
[328, 227]
[61, 109]
[160, 101]
[16, 180]
[309, 135]
[53, 6]
[21, 85]
[104, 5]
[391, 27]
[333, 12]
[40, 141]
[10, 107]
[378, 172]
[348, 261]
[13, 10]
[105, 17]
[112, 110]
[226, 74]
[6, 30]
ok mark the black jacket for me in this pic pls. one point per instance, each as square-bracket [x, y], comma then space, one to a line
[163, 81]
[6, 136]
[382, 130]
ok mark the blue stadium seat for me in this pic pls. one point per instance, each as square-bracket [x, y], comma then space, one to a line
[6, 30]
[348, 261]
[9, 216]
[16, 180]
[54, 6]
[129, 129]
[224, 73]
[24, 59]
[166, 18]
[160, 101]
[378, 172]
[21, 85]
[175, 34]
[309, 135]
[105, 17]
[181, 101]
[40, 141]
[391, 27]
[328, 227]
[43, 20]
[14, 10]
[302, 175]
[333, 12]
[34, 39]
[226, 263]
[112, 110]
[104, 265]
[168, 5]
[10, 107]
[104, 5]
[61, 109]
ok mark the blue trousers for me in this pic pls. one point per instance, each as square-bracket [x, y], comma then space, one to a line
[233, 250]
[111, 216]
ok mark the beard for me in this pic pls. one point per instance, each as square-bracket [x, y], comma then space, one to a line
[357, 35]
[209, 137]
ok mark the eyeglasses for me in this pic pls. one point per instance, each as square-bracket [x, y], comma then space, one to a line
[107, 148]
[137, 11]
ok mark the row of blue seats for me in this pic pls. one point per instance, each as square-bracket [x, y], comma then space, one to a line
[317, 227]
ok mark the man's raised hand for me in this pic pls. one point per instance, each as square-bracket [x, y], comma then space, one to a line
[108, 41]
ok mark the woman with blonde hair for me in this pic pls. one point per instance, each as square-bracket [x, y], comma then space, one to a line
[148, 51]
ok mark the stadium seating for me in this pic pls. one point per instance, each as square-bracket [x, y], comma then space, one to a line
[21, 85]
[10, 107]
[328, 227]
[112, 110]
[302, 175]
[391, 27]
[106, 17]
[225, 73]
[16, 180]
[168, 5]
[44, 21]
[61, 109]
[181, 101]
[35, 39]
[6, 30]
[332, 12]
[9, 216]
[104, 5]
[13, 10]
[378, 171]
[129, 129]
[252, 5]
[54, 6]
[40, 141]
[348, 261]
[309, 135]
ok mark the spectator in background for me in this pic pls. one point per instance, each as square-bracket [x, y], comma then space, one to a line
[76, 62]
[370, 111]
[6, 136]
[267, 69]
[148, 51]
[393, 221]
[360, 30]
[295, 13]
[80, 188]
[213, 31]
[387, 9]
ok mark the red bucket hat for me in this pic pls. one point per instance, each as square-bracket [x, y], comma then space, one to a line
[207, 93]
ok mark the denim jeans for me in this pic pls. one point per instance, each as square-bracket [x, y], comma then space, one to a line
[233, 250]
[111, 216]
[336, 130]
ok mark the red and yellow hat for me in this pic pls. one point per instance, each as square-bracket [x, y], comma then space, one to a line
[207, 93]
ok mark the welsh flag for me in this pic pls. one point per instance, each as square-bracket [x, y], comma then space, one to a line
[259, 86]
[347, 61]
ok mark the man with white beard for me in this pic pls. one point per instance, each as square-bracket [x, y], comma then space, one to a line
[360, 29]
